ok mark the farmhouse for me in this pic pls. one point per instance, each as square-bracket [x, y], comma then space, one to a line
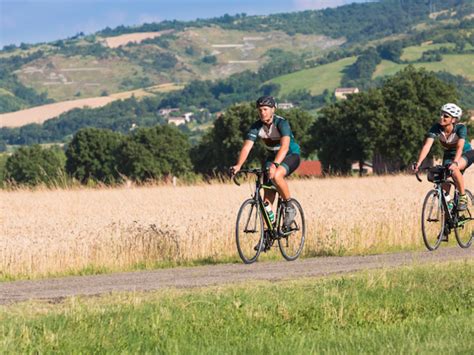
[176, 120]
[310, 168]
[341, 93]
[367, 168]
[285, 105]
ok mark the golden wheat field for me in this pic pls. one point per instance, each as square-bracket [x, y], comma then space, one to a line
[55, 231]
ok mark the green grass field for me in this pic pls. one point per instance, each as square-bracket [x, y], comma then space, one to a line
[418, 309]
[457, 64]
[415, 52]
[316, 80]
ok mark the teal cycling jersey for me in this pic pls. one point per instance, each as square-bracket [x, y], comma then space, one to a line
[271, 135]
[450, 142]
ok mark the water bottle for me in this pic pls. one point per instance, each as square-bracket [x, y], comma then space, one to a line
[270, 213]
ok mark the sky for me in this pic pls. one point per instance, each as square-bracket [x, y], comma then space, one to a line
[34, 21]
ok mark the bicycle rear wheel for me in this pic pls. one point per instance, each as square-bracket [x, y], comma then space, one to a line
[432, 220]
[249, 231]
[464, 230]
[292, 242]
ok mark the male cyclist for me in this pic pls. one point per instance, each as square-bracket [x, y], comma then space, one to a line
[284, 152]
[458, 153]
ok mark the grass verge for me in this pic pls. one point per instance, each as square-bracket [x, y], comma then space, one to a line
[417, 309]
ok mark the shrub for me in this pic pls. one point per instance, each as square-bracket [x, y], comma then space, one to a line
[34, 165]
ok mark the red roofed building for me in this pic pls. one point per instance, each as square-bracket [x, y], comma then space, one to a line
[310, 168]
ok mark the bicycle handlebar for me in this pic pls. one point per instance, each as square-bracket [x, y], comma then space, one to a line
[256, 171]
[445, 167]
[418, 176]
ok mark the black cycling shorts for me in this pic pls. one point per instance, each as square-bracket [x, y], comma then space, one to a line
[467, 156]
[290, 163]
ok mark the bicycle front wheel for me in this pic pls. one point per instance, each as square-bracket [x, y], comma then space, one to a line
[292, 242]
[432, 220]
[464, 230]
[249, 231]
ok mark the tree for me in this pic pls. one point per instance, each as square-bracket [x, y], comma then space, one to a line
[349, 131]
[391, 51]
[34, 165]
[92, 154]
[300, 122]
[221, 145]
[389, 123]
[3, 146]
[151, 153]
[413, 98]
[359, 73]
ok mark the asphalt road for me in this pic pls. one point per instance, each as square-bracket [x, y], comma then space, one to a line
[55, 290]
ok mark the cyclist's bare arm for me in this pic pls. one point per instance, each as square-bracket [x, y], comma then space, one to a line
[424, 152]
[244, 153]
[284, 147]
[457, 158]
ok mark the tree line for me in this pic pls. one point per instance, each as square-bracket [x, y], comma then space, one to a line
[356, 22]
[101, 155]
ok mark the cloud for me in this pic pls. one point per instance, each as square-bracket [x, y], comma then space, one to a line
[317, 4]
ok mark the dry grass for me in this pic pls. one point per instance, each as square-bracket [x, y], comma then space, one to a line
[50, 231]
[117, 41]
[42, 113]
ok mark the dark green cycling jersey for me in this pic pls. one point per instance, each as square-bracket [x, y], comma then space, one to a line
[271, 135]
[450, 142]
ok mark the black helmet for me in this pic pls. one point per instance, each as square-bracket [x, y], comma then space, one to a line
[266, 101]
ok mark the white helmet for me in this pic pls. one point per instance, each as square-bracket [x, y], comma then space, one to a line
[453, 110]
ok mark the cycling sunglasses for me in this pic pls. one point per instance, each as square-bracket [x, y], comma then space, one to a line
[446, 115]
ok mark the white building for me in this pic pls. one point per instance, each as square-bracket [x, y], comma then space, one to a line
[285, 105]
[341, 93]
[176, 120]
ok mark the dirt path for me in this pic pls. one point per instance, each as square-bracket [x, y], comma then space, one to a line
[56, 289]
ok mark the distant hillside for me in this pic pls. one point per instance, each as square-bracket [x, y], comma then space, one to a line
[40, 114]
[316, 80]
[127, 58]
[300, 57]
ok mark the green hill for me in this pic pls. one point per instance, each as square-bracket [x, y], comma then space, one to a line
[457, 64]
[213, 49]
[415, 52]
[316, 80]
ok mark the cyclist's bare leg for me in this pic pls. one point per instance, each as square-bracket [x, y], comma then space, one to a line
[458, 177]
[269, 195]
[281, 184]
[446, 188]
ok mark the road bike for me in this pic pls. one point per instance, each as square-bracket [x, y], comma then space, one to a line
[255, 232]
[440, 215]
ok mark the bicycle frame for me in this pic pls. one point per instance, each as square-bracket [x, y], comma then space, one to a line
[450, 213]
[452, 219]
[257, 196]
